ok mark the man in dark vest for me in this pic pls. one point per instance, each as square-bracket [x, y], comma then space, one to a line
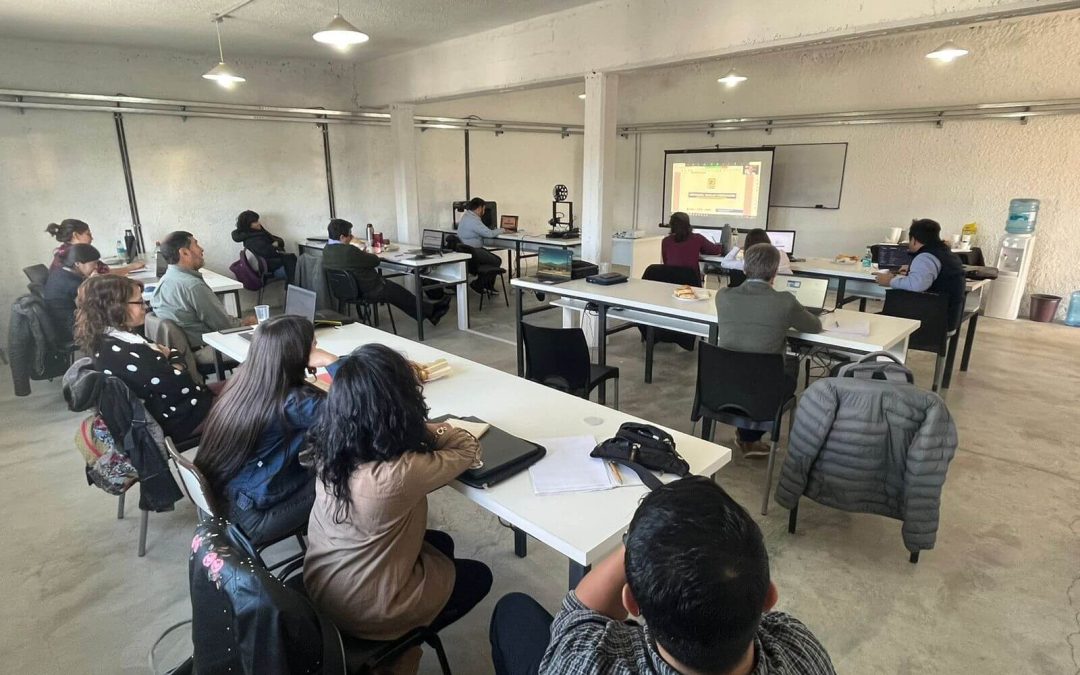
[934, 268]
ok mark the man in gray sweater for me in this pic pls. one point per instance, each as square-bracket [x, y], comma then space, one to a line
[754, 317]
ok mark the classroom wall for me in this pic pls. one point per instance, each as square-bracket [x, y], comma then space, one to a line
[963, 172]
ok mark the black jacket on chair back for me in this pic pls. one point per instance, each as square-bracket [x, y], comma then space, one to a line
[950, 280]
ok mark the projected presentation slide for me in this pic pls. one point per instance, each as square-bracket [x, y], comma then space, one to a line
[719, 187]
[716, 189]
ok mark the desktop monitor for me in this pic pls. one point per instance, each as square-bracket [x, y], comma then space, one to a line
[554, 263]
[809, 292]
[300, 302]
[783, 240]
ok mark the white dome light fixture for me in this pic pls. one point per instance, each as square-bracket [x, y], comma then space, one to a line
[947, 53]
[340, 33]
[731, 79]
[221, 73]
[581, 96]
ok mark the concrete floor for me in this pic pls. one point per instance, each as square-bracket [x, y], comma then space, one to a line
[999, 594]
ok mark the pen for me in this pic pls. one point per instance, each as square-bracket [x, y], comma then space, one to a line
[615, 470]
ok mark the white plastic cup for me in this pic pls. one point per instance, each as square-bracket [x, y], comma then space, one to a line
[262, 312]
[605, 267]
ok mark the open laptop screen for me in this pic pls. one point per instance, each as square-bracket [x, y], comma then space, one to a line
[809, 292]
[555, 263]
[432, 241]
[783, 240]
[893, 256]
[300, 302]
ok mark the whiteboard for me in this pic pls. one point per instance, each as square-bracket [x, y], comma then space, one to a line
[808, 175]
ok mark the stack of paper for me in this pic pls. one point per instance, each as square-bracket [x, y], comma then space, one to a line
[851, 327]
[567, 467]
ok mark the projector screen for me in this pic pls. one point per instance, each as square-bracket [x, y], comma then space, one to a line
[719, 187]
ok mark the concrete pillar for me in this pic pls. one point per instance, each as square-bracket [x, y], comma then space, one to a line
[598, 172]
[406, 196]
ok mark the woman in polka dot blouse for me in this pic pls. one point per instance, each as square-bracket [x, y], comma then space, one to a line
[109, 311]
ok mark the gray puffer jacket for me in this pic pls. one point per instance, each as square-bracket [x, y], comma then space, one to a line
[871, 446]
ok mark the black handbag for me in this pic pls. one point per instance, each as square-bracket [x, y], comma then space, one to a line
[643, 448]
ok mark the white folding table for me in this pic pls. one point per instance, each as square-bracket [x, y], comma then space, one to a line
[583, 526]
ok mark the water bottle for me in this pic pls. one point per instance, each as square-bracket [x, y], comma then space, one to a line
[370, 235]
[1072, 318]
[1022, 215]
[121, 251]
[159, 260]
[867, 260]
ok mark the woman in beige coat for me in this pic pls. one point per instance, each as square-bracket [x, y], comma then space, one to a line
[372, 565]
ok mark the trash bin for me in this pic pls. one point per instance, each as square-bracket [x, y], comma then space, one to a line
[1043, 307]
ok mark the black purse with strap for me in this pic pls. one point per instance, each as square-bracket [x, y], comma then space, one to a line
[644, 449]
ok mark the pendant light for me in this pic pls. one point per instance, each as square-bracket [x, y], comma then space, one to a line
[221, 73]
[731, 79]
[947, 53]
[340, 33]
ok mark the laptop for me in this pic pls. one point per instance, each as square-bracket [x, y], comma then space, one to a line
[783, 240]
[502, 455]
[432, 242]
[303, 303]
[809, 292]
[555, 265]
[892, 256]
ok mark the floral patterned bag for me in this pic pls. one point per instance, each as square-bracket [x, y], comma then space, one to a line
[106, 468]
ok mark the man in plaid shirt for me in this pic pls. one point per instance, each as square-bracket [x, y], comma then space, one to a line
[694, 567]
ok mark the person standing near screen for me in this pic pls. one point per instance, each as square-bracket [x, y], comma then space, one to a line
[683, 247]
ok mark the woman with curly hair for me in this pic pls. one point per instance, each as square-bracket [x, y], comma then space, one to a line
[372, 565]
[109, 309]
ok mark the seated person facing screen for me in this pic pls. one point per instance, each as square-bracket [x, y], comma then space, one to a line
[732, 261]
[372, 565]
[754, 317]
[62, 287]
[250, 232]
[933, 269]
[472, 231]
[70, 232]
[183, 296]
[683, 246]
[111, 310]
[251, 441]
[340, 254]
[695, 568]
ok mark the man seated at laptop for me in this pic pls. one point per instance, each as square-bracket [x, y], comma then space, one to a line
[472, 232]
[933, 269]
[695, 568]
[754, 317]
[339, 254]
[183, 296]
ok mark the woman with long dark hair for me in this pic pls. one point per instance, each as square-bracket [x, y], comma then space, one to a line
[110, 310]
[371, 563]
[255, 238]
[683, 246]
[732, 261]
[71, 231]
[251, 441]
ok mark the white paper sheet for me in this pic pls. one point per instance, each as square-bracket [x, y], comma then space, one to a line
[567, 467]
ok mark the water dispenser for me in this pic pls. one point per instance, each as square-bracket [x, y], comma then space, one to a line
[1014, 263]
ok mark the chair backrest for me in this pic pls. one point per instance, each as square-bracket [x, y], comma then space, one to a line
[930, 309]
[973, 257]
[167, 333]
[735, 278]
[342, 285]
[740, 383]
[556, 357]
[37, 274]
[672, 274]
[195, 484]
[255, 262]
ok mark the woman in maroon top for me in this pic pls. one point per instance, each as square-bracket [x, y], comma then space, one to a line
[683, 246]
[71, 231]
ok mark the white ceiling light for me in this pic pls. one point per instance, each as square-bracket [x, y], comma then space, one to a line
[581, 96]
[221, 73]
[340, 33]
[731, 79]
[947, 52]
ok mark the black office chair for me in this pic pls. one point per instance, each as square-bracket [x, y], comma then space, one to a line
[286, 626]
[344, 289]
[735, 278]
[668, 274]
[932, 312]
[559, 358]
[259, 265]
[479, 270]
[974, 257]
[38, 275]
[745, 390]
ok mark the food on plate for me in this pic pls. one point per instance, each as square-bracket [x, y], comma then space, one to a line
[846, 259]
[686, 292]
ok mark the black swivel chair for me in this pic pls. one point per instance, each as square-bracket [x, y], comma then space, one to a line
[932, 312]
[745, 390]
[480, 270]
[735, 278]
[559, 358]
[668, 274]
[344, 289]
[259, 265]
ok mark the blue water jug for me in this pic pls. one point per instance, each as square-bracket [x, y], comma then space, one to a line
[1073, 317]
[1022, 215]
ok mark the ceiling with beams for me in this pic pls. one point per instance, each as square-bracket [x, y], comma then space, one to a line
[265, 28]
